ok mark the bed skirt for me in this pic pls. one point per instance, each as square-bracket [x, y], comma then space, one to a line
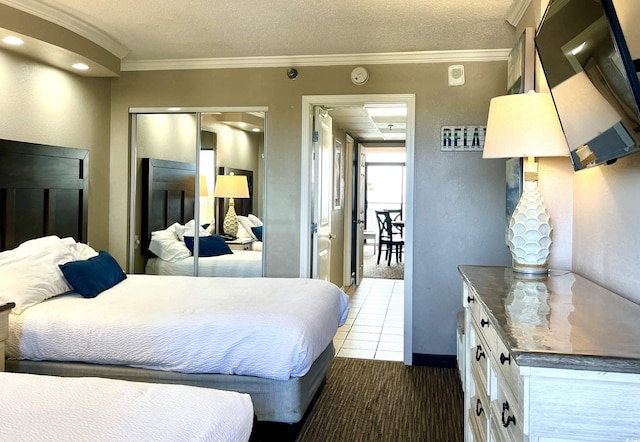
[273, 400]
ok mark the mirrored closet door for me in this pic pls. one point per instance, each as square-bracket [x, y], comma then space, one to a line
[185, 218]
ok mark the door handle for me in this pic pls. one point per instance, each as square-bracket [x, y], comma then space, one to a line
[332, 236]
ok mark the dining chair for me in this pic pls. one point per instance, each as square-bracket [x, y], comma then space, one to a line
[392, 241]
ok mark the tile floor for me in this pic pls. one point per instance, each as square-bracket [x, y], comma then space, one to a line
[375, 326]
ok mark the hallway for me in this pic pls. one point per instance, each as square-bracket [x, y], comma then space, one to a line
[375, 326]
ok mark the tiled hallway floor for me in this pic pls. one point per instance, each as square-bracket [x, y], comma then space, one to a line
[375, 326]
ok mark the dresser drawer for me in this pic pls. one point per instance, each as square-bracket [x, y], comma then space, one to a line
[506, 417]
[479, 419]
[507, 369]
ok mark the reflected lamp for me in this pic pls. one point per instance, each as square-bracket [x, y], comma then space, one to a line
[526, 125]
[231, 186]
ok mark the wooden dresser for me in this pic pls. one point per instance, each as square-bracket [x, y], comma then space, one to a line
[5, 309]
[549, 359]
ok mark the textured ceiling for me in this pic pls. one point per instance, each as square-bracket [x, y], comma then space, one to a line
[160, 30]
[170, 29]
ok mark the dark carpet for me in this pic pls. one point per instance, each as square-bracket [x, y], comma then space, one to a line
[367, 400]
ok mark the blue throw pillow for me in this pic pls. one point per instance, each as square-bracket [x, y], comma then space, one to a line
[257, 231]
[213, 245]
[92, 276]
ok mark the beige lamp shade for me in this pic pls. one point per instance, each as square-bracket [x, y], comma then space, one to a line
[231, 186]
[204, 190]
[585, 112]
[523, 125]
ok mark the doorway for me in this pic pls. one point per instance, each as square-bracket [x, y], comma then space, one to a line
[385, 184]
[307, 221]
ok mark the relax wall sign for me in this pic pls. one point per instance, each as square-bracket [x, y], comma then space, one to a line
[462, 138]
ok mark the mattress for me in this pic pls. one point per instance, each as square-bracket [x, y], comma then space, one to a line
[241, 263]
[266, 327]
[37, 407]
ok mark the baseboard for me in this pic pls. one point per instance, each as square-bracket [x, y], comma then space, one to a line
[440, 361]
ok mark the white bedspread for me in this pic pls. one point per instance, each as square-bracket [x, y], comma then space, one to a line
[53, 408]
[246, 263]
[268, 327]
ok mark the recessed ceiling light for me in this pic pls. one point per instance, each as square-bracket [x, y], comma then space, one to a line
[80, 66]
[16, 41]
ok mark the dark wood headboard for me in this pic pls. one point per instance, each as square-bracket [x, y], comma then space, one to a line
[168, 195]
[44, 190]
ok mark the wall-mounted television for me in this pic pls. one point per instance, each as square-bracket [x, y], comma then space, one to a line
[587, 49]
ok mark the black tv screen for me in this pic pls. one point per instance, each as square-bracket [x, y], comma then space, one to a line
[584, 47]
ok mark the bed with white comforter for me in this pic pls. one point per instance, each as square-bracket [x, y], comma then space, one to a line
[37, 407]
[78, 314]
[242, 263]
[267, 327]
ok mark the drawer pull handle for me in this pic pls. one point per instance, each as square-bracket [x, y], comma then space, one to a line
[471, 299]
[509, 419]
[479, 408]
[504, 359]
[479, 353]
[484, 322]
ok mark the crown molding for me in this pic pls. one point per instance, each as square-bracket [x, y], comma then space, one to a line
[517, 10]
[74, 24]
[317, 60]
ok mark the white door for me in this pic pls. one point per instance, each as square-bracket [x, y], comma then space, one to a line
[361, 186]
[323, 174]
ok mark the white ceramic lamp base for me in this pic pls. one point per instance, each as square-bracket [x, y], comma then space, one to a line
[529, 235]
[230, 224]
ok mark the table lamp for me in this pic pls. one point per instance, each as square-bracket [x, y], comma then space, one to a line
[526, 125]
[231, 186]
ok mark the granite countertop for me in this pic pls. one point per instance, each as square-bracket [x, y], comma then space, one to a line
[7, 306]
[559, 321]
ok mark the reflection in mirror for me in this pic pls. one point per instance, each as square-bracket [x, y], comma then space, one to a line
[594, 85]
[177, 215]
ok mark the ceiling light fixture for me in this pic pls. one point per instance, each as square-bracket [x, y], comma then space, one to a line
[386, 110]
[14, 41]
[80, 66]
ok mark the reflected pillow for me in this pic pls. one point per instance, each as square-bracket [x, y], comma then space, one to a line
[92, 276]
[166, 246]
[255, 220]
[244, 222]
[257, 231]
[213, 245]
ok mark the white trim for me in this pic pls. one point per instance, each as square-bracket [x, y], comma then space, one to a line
[317, 60]
[308, 101]
[73, 24]
[517, 10]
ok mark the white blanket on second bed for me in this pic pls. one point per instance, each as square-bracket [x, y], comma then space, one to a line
[245, 263]
[53, 408]
[267, 327]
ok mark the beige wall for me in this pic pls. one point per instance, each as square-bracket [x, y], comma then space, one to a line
[459, 198]
[40, 104]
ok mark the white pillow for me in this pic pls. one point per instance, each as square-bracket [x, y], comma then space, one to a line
[244, 222]
[49, 249]
[81, 251]
[188, 230]
[255, 220]
[243, 234]
[166, 245]
[28, 284]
